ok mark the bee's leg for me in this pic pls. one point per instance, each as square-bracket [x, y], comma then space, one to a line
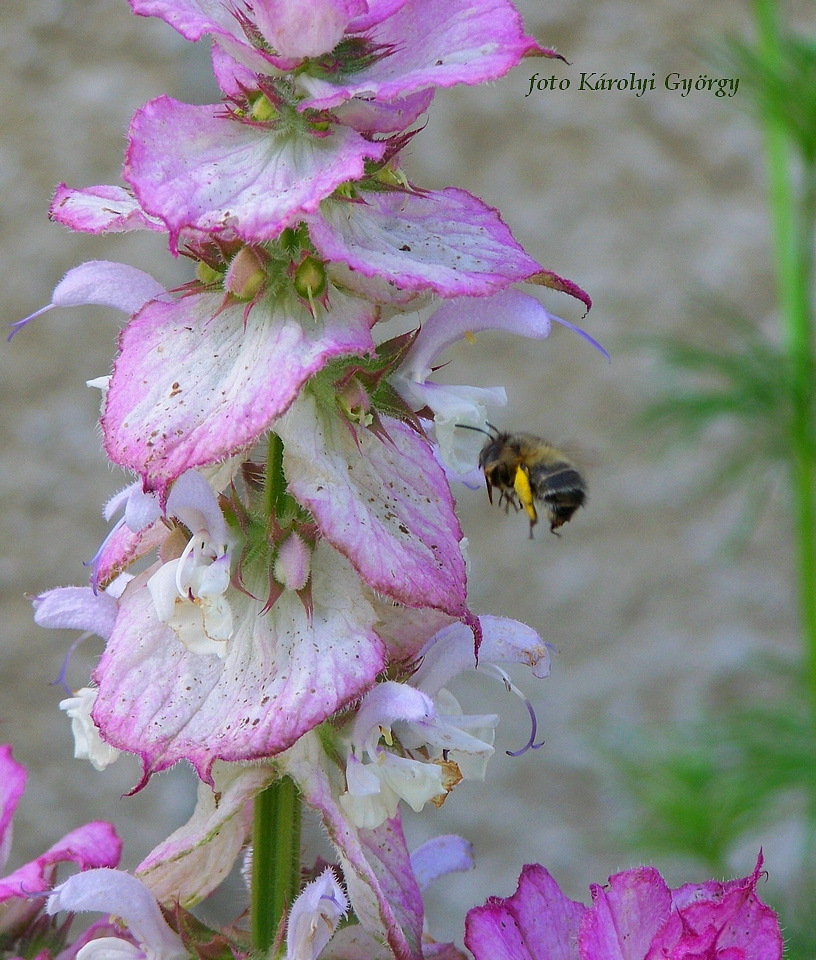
[521, 484]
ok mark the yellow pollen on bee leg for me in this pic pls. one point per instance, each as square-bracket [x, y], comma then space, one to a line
[470, 336]
[521, 484]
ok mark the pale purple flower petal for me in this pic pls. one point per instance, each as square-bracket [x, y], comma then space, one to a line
[12, 784]
[94, 845]
[384, 503]
[193, 501]
[537, 922]
[314, 916]
[140, 508]
[103, 284]
[106, 284]
[447, 241]
[118, 893]
[191, 386]
[193, 860]
[101, 209]
[76, 608]
[450, 651]
[440, 856]
[508, 312]
[194, 167]
[284, 672]
[433, 45]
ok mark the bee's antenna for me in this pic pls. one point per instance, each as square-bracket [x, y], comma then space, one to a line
[467, 426]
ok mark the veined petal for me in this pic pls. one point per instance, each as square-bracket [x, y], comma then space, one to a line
[192, 18]
[537, 921]
[195, 18]
[296, 32]
[383, 116]
[191, 386]
[101, 209]
[721, 918]
[12, 784]
[386, 505]
[94, 845]
[433, 45]
[122, 546]
[193, 860]
[625, 914]
[447, 241]
[195, 168]
[284, 673]
[375, 12]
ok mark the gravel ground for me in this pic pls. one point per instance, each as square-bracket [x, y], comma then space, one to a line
[643, 201]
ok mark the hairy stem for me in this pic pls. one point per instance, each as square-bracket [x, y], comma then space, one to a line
[276, 832]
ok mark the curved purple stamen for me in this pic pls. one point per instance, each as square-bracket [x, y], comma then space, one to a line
[18, 325]
[530, 745]
[582, 333]
[512, 688]
[59, 680]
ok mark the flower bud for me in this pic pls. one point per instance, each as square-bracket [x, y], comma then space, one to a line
[246, 274]
[310, 278]
[293, 563]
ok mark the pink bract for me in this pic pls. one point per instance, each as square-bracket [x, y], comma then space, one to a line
[193, 385]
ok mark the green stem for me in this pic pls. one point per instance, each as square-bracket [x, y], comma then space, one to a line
[276, 833]
[792, 225]
[275, 859]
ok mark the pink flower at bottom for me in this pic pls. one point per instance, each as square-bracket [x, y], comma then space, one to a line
[633, 917]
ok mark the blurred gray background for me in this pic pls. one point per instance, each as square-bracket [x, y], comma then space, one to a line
[642, 201]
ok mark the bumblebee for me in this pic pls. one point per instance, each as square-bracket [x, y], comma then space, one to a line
[527, 470]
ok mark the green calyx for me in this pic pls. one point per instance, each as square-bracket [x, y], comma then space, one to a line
[358, 387]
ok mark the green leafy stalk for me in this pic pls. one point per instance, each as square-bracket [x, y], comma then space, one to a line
[276, 832]
[792, 219]
[275, 860]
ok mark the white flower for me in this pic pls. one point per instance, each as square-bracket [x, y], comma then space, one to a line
[88, 745]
